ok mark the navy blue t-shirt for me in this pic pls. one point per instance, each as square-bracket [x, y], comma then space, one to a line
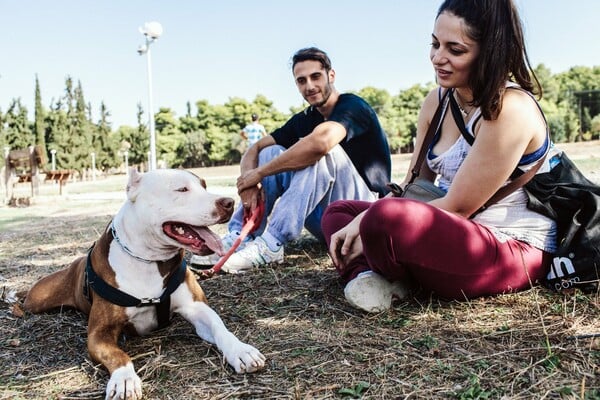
[365, 141]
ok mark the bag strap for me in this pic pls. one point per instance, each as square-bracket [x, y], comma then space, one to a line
[518, 177]
[434, 126]
[515, 184]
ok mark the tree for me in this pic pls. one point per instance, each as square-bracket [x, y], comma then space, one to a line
[3, 140]
[378, 99]
[595, 129]
[105, 144]
[209, 135]
[73, 138]
[39, 124]
[18, 134]
[270, 117]
[169, 140]
[578, 80]
[56, 128]
[193, 151]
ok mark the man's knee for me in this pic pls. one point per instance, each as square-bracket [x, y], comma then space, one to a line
[269, 153]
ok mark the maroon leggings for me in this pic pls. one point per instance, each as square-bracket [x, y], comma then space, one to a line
[448, 255]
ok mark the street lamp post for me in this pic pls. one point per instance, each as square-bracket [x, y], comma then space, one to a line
[126, 154]
[152, 31]
[53, 152]
[93, 165]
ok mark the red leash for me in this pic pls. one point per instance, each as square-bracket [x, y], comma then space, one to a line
[251, 223]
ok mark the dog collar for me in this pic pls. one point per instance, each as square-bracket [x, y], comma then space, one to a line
[126, 249]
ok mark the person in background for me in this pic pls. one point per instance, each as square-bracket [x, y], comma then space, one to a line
[253, 132]
[334, 149]
[448, 246]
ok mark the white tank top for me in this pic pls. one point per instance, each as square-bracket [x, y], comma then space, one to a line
[509, 217]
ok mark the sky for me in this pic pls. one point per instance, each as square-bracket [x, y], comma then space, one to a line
[218, 49]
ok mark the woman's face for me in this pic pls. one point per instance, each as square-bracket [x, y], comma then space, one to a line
[453, 53]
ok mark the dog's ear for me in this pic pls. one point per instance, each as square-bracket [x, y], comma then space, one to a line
[133, 184]
[202, 181]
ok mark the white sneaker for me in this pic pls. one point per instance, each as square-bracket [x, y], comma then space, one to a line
[227, 242]
[372, 293]
[254, 254]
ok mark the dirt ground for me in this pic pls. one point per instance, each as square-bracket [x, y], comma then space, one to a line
[531, 345]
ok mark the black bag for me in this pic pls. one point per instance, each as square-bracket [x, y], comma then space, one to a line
[567, 196]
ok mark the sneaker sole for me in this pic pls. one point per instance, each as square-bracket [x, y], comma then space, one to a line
[230, 270]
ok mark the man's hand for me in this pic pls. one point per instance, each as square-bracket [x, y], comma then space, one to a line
[248, 180]
[251, 198]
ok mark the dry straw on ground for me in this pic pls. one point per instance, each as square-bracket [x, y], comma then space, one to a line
[530, 345]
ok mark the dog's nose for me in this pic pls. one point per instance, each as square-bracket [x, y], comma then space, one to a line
[225, 206]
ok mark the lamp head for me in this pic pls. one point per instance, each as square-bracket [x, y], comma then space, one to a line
[152, 29]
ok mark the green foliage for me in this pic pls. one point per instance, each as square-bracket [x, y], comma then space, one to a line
[474, 391]
[592, 394]
[17, 133]
[551, 362]
[595, 127]
[355, 392]
[39, 130]
[210, 134]
[105, 143]
[427, 342]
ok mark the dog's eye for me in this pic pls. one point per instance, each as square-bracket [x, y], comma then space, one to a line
[183, 189]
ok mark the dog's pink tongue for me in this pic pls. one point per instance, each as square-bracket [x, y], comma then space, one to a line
[211, 240]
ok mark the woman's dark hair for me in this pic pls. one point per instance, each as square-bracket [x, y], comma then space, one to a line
[312, 54]
[496, 26]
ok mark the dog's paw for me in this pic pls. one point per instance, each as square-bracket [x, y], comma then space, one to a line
[124, 384]
[245, 358]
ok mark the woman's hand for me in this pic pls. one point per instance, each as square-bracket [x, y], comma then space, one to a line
[346, 244]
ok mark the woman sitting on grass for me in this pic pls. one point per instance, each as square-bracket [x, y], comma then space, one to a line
[478, 53]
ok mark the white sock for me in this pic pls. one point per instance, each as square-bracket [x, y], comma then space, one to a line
[272, 243]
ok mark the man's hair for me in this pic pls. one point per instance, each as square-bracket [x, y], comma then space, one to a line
[312, 54]
[254, 117]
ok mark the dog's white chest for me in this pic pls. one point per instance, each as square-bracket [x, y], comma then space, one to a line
[140, 280]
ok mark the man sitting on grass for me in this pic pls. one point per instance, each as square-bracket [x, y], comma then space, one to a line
[334, 149]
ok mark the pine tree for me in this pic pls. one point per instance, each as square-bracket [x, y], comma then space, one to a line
[105, 145]
[18, 133]
[39, 124]
[3, 142]
[56, 129]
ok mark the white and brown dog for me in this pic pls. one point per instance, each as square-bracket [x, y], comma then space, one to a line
[134, 277]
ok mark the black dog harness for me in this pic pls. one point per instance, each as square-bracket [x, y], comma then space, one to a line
[120, 298]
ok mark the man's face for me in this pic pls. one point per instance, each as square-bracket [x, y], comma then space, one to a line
[314, 83]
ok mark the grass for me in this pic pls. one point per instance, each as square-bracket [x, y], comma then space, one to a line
[531, 345]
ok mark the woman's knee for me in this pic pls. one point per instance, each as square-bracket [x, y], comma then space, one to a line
[335, 217]
[336, 207]
[340, 213]
[391, 215]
